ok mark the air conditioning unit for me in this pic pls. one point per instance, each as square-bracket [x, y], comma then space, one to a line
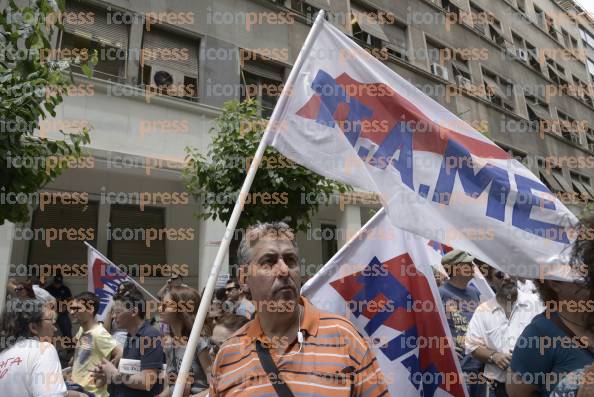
[440, 71]
[522, 53]
[464, 82]
[171, 82]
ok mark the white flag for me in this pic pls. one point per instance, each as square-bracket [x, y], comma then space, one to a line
[383, 282]
[351, 118]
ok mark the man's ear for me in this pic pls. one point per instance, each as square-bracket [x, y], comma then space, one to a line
[33, 328]
[242, 277]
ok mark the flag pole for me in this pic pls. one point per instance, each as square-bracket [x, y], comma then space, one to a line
[223, 248]
[129, 277]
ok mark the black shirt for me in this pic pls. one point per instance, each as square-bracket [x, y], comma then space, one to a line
[146, 347]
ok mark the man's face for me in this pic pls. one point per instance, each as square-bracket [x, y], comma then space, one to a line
[80, 312]
[463, 269]
[46, 328]
[505, 285]
[122, 316]
[273, 273]
[232, 290]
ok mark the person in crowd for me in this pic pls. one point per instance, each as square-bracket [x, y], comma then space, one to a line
[568, 360]
[109, 323]
[460, 300]
[495, 327]
[41, 293]
[178, 310]
[237, 301]
[93, 343]
[288, 327]
[556, 342]
[226, 326]
[62, 294]
[143, 349]
[30, 363]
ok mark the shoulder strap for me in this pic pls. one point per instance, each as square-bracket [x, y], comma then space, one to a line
[271, 369]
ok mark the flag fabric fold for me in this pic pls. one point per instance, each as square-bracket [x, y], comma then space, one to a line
[104, 278]
[351, 118]
[382, 281]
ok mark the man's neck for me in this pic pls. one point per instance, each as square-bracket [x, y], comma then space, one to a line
[87, 325]
[506, 302]
[278, 324]
[133, 329]
[459, 282]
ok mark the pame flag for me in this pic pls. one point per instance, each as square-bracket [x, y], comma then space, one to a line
[104, 279]
[383, 282]
[351, 118]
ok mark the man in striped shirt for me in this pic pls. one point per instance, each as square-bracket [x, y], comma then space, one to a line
[328, 358]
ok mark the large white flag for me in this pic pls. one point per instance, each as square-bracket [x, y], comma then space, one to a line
[351, 118]
[383, 282]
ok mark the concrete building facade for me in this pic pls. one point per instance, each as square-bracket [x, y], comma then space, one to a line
[520, 71]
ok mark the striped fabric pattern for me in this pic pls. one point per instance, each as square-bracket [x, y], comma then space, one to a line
[335, 360]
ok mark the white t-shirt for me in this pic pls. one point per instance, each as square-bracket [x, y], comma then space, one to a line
[31, 369]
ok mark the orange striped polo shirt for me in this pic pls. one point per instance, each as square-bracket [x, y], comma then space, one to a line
[335, 361]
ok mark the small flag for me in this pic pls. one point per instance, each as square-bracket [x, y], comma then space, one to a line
[104, 279]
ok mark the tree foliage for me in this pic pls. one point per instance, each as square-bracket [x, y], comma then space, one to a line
[31, 87]
[215, 180]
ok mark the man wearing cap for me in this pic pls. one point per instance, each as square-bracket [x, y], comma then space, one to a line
[460, 301]
[496, 326]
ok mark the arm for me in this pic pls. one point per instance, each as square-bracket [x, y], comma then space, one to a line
[107, 320]
[116, 354]
[108, 373]
[518, 389]
[205, 363]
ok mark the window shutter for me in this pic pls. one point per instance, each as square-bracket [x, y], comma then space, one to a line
[133, 222]
[183, 57]
[115, 35]
[64, 216]
[264, 69]
[367, 24]
[397, 36]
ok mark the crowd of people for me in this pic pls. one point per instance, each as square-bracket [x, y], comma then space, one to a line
[534, 338]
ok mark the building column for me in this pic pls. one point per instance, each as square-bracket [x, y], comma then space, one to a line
[210, 235]
[348, 223]
[6, 241]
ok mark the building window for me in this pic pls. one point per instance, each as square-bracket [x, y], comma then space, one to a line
[582, 185]
[450, 6]
[329, 241]
[550, 26]
[568, 127]
[170, 63]
[479, 19]
[533, 57]
[496, 31]
[540, 17]
[587, 38]
[591, 68]
[398, 44]
[590, 139]
[128, 230]
[538, 112]
[108, 39]
[305, 8]
[438, 57]
[580, 90]
[522, 6]
[556, 72]
[78, 218]
[262, 81]
[499, 91]
[366, 28]
[515, 154]
[547, 177]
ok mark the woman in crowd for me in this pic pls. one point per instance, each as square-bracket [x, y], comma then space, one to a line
[178, 310]
[31, 367]
[550, 355]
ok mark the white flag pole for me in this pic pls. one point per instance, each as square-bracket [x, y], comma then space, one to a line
[223, 248]
[129, 278]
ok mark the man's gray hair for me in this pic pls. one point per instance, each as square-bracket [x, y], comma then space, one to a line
[255, 232]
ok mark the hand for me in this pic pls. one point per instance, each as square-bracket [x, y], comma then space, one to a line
[502, 360]
[98, 376]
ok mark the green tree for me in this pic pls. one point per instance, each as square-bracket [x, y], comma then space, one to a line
[282, 190]
[31, 86]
